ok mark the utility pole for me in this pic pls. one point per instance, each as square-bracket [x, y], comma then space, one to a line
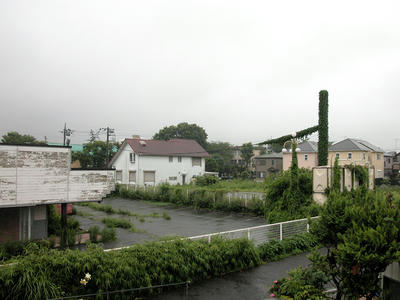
[109, 131]
[66, 132]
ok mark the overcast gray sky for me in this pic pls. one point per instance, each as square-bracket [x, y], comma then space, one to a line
[243, 70]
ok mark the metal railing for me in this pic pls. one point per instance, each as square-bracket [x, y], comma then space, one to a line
[263, 233]
[108, 294]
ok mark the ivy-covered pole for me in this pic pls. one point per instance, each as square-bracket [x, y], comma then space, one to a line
[323, 129]
[294, 168]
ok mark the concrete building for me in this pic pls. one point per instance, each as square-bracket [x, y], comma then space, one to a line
[267, 164]
[32, 177]
[307, 157]
[151, 162]
[357, 152]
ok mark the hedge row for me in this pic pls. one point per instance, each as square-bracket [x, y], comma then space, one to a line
[50, 273]
[198, 198]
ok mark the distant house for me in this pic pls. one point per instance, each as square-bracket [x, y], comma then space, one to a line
[389, 161]
[358, 152]
[267, 164]
[238, 160]
[151, 162]
[307, 157]
[32, 177]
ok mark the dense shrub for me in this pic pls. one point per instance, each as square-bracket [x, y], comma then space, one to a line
[276, 249]
[206, 180]
[197, 197]
[53, 273]
[302, 284]
[11, 249]
[45, 273]
[284, 203]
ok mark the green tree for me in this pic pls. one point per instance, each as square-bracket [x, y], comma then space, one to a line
[93, 155]
[183, 131]
[361, 231]
[15, 138]
[247, 152]
[221, 156]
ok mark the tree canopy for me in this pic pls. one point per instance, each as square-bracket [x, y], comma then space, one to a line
[15, 138]
[93, 155]
[183, 131]
[361, 233]
[246, 152]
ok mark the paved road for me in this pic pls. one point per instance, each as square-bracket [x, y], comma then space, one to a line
[185, 221]
[252, 284]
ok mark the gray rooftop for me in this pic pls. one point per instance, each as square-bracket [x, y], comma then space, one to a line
[354, 145]
[269, 155]
[308, 146]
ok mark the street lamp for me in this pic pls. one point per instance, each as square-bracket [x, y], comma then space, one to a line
[293, 140]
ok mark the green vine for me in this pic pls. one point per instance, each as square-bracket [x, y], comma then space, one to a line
[300, 134]
[323, 129]
[336, 176]
[360, 173]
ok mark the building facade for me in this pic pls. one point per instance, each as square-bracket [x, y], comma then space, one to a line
[267, 164]
[357, 152]
[152, 162]
[32, 177]
[307, 157]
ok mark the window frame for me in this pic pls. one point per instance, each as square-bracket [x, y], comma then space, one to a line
[171, 159]
[305, 156]
[132, 155]
[349, 155]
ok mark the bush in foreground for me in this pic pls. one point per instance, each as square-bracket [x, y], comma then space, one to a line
[47, 273]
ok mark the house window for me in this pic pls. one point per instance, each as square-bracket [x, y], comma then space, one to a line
[149, 176]
[171, 159]
[262, 162]
[262, 174]
[364, 156]
[337, 155]
[378, 156]
[305, 156]
[349, 155]
[272, 162]
[118, 175]
[173, 178]
[132, 157]
[180, 159]
[132, 176]
[196, 161]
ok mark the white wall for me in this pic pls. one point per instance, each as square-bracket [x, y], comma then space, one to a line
[160, 164]
[32, 176]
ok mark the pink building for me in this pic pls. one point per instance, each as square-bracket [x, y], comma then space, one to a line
[307, 157]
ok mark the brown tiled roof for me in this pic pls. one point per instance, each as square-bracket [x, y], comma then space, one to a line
[177, 147]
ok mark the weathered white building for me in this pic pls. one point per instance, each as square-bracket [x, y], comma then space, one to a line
[152, 162]
[32, 177]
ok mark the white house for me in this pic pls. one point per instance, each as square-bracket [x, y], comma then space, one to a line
[152, 162]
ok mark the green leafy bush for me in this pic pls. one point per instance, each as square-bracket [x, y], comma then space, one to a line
[206, 180]
[108, 234]
[94, 231]
[276, 249]
[301, 284]
[55, 273]
[114, 222]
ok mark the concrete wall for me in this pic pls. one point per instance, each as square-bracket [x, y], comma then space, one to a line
[165, 171]
[36, 175]
[310, 163]
[322, 179]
